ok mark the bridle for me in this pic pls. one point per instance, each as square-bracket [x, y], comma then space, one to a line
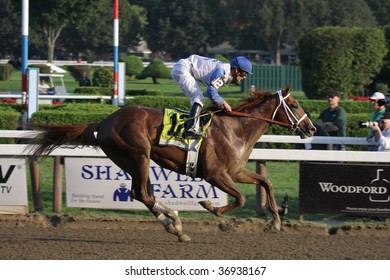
[293, 120]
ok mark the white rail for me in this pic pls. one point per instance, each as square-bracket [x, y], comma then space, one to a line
[55, 96]
[257, 154]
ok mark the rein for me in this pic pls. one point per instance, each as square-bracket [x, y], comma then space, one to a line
[294, 121]
[240, 114]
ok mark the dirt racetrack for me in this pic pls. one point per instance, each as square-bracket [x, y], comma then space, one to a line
[81, 238]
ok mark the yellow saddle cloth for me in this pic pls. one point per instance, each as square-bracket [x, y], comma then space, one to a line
[174, 123]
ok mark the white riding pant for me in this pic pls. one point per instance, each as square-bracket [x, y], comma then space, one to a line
[181, 74]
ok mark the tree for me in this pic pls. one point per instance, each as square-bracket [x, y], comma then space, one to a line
[347, 13]
[180, 28]
[94, 34]
[156, 69]
[87, 24]
[345, 59]
[48, 19]
[381, 11]
[273, 24]
[326, 61]
[134, 65]
[369, 50]
[10, 22]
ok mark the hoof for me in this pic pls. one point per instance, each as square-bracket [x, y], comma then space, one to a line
[206, 204]
[277, 226]
[184, 238]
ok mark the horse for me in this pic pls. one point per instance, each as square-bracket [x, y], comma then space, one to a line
[130, 138]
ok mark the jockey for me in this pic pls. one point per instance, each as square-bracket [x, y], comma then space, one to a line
[213, 74]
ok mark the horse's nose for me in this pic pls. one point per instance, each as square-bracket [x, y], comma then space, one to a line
[313, 130]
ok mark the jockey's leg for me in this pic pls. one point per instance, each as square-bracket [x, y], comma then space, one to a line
[192, 128]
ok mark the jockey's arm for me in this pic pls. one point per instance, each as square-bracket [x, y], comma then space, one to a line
[216, 81]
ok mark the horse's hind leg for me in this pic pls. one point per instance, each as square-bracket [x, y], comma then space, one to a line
[141, 190]
[138, 167]
[161, 212]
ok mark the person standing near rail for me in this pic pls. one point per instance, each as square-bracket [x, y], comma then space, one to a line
[382, 133]
[334, 119]
[376, 115]
[211, 73]
[84, 80]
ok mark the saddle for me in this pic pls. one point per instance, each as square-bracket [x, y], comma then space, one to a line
[174, 123]
[173, 127]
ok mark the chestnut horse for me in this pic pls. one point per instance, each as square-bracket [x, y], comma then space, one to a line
[130, 136]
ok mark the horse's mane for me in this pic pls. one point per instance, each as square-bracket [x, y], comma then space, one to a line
[256, 97]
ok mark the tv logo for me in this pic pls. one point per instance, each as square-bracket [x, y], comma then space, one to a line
[4, 178]
[13, 186]
[5, 189]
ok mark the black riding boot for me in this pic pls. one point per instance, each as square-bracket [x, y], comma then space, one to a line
[192, 128]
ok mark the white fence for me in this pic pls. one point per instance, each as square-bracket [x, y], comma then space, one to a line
[20, 150]
[257, 154]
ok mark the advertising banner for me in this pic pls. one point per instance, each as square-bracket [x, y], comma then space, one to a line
[336, 188]
[13, 186]
[99, 183]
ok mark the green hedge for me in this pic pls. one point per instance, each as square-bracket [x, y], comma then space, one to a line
[73, 114]
[345, 59]
[9, 120]
[144, 92]
[93, 91]
[350, 107]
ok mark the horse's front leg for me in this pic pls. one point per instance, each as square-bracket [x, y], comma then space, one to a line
[225, 183]
[247, 176]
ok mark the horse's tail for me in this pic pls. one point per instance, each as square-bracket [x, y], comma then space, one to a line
[51, 137]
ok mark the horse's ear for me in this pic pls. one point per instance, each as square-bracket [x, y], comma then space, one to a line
[287, 89]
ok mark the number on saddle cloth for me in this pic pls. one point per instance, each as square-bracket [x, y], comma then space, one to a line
[174, 123]
[177, 122]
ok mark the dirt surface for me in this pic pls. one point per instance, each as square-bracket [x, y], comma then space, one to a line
[65, 237]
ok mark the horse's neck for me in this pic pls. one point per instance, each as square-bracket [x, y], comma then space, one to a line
[256, 126]
[246, 131]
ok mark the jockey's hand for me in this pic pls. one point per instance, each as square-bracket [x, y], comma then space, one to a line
[226, 106]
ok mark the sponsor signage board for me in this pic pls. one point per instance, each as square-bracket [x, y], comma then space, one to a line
[13, 186]
[352, 189]
[99, 183]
